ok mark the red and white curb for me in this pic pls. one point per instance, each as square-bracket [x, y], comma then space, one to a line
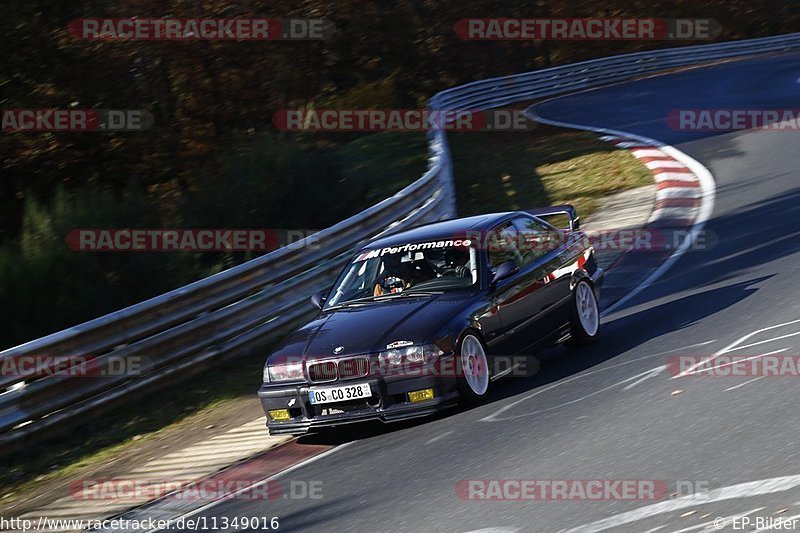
[676, 174]
[679, 196]
[684, 201]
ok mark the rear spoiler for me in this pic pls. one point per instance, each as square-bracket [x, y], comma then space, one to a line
[564, 209]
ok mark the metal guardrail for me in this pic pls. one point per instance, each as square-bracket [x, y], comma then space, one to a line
[197, 325]
[216, 316]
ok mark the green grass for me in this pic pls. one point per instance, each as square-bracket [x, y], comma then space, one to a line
[493, 172]
[522, 170]
[387, 162]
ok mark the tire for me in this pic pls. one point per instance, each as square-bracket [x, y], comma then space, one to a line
[473, 381]
[585, 320]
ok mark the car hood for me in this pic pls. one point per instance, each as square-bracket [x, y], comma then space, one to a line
[370, 328]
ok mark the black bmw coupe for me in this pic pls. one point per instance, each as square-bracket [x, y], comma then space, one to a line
[424, 318]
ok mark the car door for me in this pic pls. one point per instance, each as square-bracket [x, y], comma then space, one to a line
[515, 299]
[551, 264]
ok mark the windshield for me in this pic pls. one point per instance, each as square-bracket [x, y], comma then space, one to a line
[407, 270]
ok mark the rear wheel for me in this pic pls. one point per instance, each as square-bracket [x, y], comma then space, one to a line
[585, 321]
[473, 383]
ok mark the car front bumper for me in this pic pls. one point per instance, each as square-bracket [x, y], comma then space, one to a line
[389, 402]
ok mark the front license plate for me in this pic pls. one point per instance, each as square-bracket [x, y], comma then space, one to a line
[339, 394]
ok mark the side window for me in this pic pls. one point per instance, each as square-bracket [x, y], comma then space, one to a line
[502, 246]
[535, 239]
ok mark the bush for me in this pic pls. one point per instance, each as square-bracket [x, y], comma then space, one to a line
[272, 181]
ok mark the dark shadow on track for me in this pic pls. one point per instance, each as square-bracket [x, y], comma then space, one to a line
[771, 224]
[618, 337]
[766, 81]
[764, 232]
[626, 333]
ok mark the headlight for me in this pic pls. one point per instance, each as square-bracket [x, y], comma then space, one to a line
[284, 372]
[409, 354]
[395, 356]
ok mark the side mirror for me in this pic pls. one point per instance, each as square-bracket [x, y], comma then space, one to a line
[318, 298]
[505, 270]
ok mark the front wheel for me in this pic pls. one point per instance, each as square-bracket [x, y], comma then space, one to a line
[585, 321]
[473, 383]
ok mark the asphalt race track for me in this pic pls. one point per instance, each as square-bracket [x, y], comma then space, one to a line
[612, 411]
